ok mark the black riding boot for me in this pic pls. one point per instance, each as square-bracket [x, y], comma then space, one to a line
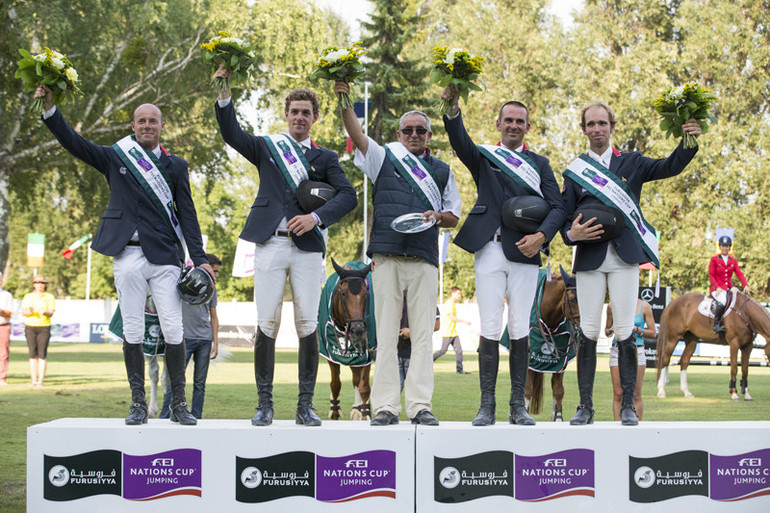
[134, 358]
[489, 360]
[627, 366]
[307, 361]
[176, 356]
[264, 365]
[718, 309]
[518, 362]
[586, 369]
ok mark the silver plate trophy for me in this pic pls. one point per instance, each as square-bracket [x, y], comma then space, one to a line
[412, 223]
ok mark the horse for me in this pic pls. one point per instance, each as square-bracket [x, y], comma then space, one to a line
[346, 334]
[558, 315]
[153, 372]
[682, 321]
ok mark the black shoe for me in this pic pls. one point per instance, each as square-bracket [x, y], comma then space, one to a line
[264, 416]
[485, 417]
[181, 414]
[520, 417]
[720, 328]
[425, 418]
[137, 414]
[463, 372]
[306, 416]
[384, 418]
[584, 415]
[628, 416]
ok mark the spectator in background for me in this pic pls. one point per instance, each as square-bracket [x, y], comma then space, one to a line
[6, 311]
[405, 343]
[644, 327]
[38, 307]
[201, 326]
[449, 335]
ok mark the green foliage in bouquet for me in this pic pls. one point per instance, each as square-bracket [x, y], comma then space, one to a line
[456, 66]
[679, 104]
[342, 64]
[49, 68]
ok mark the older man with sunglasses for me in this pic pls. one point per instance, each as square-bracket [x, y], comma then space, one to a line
[407, 180]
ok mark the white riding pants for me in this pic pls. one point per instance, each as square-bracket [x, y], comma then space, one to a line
[133, 275]
[499, 280]
[274, 260]
[622, 282]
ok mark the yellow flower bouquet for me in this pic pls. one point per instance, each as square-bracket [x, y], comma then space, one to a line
[234, 53]
[343, 64]
[456, 66]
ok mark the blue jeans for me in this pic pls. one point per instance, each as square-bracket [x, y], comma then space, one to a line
[200, 350]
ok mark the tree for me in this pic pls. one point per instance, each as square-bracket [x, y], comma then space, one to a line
[125, 55]
[128, 53]
[398, 83]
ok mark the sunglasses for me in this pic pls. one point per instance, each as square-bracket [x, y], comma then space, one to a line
[407, 130]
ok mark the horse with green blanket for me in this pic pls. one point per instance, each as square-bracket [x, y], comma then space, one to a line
[554, 323]
[346, 333]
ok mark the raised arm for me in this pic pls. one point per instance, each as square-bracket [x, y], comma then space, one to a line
[350, 121]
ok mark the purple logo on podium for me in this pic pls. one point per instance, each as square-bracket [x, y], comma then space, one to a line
[357, 476]
[163, 474]
[739, 477]
[555, 475]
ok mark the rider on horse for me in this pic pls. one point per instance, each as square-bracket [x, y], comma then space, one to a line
[721, 268]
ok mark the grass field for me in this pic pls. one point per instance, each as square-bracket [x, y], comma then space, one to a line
[88, 380]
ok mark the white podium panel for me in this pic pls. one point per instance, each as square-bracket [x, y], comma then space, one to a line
[219, 465]
[653, 467]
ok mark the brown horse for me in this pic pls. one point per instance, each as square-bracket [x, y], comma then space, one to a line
[682, 321]
[349, 315]
[559, 302]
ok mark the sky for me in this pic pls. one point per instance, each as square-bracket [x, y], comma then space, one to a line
[354, 10]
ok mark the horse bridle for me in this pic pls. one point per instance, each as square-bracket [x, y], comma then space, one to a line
[346, 315]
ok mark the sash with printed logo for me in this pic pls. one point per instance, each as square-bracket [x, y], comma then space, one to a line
[418, 174]
[613, 192]
[514, 165]
[294, 167]
[154, 179]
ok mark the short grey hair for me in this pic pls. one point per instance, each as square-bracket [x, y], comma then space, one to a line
[411, 112]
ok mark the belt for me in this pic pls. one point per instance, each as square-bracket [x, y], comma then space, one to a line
[133, 243]
[282, 233]
[496, 238]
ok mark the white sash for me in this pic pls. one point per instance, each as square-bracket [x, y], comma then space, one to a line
[151, 175]
[290, 159]
[294, 166]
[515, 165]
[613, 192]
[418, 175]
